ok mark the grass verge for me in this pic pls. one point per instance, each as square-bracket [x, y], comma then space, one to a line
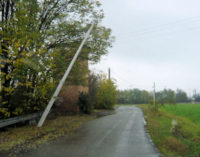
[16, 140]
[174, 135]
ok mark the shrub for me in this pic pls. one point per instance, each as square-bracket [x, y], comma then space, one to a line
[107, 94]
[175, 145]
[84, 104]
[93, 84]
[154, 105]
[101, 95]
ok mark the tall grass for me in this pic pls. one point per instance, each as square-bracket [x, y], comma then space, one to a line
[180, 140]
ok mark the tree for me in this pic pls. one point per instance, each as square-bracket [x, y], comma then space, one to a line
[122, 97]
[165, 96]
[38, 41]
[181, 96]
[87, 101]
[196, 97]
[133, 96]
[93, 86]
[106, 93]
[101, 94]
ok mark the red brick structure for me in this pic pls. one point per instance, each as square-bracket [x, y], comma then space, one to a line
[70, 93]
[70, 96]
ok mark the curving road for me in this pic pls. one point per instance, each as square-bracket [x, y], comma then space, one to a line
[119, 135]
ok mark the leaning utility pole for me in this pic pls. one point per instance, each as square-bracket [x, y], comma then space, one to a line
[62, 81]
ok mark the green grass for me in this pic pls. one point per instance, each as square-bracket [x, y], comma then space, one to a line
[189, 111]
[181, 140]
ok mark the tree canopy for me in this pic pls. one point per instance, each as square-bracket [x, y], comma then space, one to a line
[38, 39]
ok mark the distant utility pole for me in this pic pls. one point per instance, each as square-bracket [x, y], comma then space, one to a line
[194, 95]
[154, 93]
[62, 81]
[109, 73]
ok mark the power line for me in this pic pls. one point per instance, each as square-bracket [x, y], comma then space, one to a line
[123, 79]
[164, 28]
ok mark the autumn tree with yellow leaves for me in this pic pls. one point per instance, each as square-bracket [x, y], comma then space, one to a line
[38, 39]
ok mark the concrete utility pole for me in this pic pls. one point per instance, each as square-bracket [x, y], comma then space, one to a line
[109, 73]
[62, 81]
[154, 93]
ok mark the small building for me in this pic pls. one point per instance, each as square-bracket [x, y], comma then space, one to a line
[77, 83]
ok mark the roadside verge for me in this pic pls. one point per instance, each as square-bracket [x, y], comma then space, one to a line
[25, 138]
[173, 140]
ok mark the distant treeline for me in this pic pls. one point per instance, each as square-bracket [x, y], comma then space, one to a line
[137, 96]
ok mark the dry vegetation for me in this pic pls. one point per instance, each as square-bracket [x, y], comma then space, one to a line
[29, 137]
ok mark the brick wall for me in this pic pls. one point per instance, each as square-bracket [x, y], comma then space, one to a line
[70, 96]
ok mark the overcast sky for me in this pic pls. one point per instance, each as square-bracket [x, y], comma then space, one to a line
[156, 41]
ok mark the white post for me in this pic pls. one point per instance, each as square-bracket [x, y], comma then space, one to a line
[62, 81]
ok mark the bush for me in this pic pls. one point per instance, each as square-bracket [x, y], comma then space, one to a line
[101, 95]
[93, 84]
[84, 104]
[154, 105]
[87, 101]
[107, 94]
[176, 145]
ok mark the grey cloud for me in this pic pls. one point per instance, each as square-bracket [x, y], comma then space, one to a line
[155, 41]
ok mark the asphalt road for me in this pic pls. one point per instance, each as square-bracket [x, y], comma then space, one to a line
[119, 135]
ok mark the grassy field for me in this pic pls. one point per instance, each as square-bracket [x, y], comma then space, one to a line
[175, 130]
[189, 111]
